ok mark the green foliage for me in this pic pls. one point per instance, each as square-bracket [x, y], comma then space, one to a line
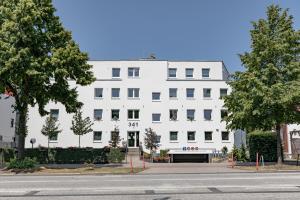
[242, 154]
[224, 150]
[163, 153]
[38, 57]
[267, 93]
[26, 163]
[8, 154]
[115, 155]
[81, 126]
[235, 152]
[150, 140]
[115, 138]
[264, 143]
[50, 128]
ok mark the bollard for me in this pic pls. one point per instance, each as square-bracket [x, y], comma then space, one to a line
[131, 165]
[144, 165]
[256, 161]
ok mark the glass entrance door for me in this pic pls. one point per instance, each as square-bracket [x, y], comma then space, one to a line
[133, 138]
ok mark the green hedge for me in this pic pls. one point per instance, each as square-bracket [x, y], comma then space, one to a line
[265, 143]
[7, 153]
[64, 155]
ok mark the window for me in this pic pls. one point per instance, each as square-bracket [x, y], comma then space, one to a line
[97, 136]
[208, 136]
[133, 72]
[115, 114]
[54, 113]
[190, 92]
[189, 73]
[133, 92]
[173, 136]
[156, 117]
[12, 123]
[173, 92]
[224, 114]
[98, 114]
[206, 92]
[115, 92]
[173, 114]
[225, 135]
[53, 138]
[133, 114]
[205, 73]
[116, 72]
[157, 139]
[98, 92]
[223, 92]
[191, 135]
[207, 114]
[155, 96]
[190, 114]
[172, 72]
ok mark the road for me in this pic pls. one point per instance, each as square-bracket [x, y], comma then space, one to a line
[153, 186]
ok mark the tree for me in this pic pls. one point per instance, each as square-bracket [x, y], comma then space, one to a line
[50, 128]
[266, 95]
[115, 138]
[81, 126]
[151, 140]
[37, 59]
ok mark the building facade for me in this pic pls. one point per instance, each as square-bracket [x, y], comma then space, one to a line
[179, 100]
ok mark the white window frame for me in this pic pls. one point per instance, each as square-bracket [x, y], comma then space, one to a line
[187, 135]
[112, 72]
[95, 89]
[187, 117]
[98, 118]
[193, 89]
[206, 77]
[205, 97]
[111, 113]
[134, 92]
[153, 114]
[118, 97]
[133, 114]
[156, 93]
[210, 114]
[135, 72]
[212, 137]
[97, 141]
[170, 69]
[188, 75]
[173, 119]
[175, 89]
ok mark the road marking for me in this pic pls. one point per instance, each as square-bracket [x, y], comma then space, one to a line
[31, 193]
[214, 190]
[149, 192]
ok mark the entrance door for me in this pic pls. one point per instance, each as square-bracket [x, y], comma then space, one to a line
[133, 139]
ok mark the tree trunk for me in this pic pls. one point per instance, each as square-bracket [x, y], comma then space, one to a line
[22, 129]
[279, 145]
[79, 141]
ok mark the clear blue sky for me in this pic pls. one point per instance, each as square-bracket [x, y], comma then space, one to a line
[172, 29]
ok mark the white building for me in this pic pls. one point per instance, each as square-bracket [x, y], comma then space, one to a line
[7, 121]
[179, 100]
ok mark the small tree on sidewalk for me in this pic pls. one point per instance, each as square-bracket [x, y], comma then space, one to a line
[50, 129]
[81, 126]
[115, 155]
[151, 141]
[115, 139]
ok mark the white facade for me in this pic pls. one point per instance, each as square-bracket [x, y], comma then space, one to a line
[149, 76]
[7, 121]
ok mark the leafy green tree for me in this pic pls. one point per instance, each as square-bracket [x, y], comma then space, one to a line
[115, 138]
[81, 126]
[267, 95]
[151, 141]
[37, 58]
[50, 129]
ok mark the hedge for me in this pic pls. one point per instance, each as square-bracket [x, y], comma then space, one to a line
[265, 143]
[63, 155]
[7, 154]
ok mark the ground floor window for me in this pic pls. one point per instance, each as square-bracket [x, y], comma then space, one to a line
[53, 138]
[225, 136]
[208, 135]
[173, 136]
[191, 135]
[97, 136]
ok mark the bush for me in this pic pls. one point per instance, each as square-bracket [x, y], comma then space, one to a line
[265, 143]
[163, 153]
[242, 154]
[115, 155]
[224, 150]
[27, 163]
[8, 154]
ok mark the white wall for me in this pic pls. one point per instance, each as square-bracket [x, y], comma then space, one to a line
[6, 115]
[153, 78]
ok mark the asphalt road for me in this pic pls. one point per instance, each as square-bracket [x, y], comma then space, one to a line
[156, 187]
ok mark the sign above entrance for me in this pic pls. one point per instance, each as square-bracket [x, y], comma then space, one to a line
[133, 124]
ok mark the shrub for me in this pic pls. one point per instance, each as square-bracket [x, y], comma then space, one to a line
[265, 143]
[115, 155]
[242, 154]
[8, 154]
[235, 152]
[163, 153]
[224, 150]
[27, 163]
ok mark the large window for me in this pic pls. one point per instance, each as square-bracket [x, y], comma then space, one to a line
[156, 117]
[155, 96]
[189, 73]
[97, 136]
[208, 136]
[54, 113]
[173, 114]
[133, 92]
[205, 73]
[172, 72]
[225, 136]
[173, 136]
[173, 92]
[191, 135]
[98, 114]
[207, 114]
[190, 114]
[224, 114]
[115, 114]
[223, 92]
[133, 72]
[190, 92]
[98, 92]
[133, 114]
[116, 72]
[115, 92]
[206, 92]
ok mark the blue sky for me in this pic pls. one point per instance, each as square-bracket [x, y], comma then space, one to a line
[171, 29]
